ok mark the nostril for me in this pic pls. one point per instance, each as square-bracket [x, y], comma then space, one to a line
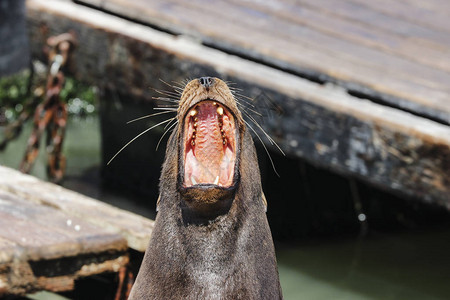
[206, 81]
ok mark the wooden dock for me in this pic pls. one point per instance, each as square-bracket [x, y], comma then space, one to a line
[50, 236]
[362, 86]
[397, 52]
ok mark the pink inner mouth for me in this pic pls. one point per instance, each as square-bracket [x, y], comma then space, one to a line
[209, 145]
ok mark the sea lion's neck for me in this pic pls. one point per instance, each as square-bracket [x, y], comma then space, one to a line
[211, 238]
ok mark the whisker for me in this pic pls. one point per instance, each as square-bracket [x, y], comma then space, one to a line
[169, 85]
[173, 100]
[230, 82]
[136, 137]
[244, 103]
[249, 101]
[168, 124]
[165, 108]
[245, 97]
[177, 88]
[271, 140]
[180, 90]
[185, 81]
[245, 108]
[234, 88]
[179, 85]
[165, 132]
[168, 106]
[265, 148]
[148, 116]
[168, 93]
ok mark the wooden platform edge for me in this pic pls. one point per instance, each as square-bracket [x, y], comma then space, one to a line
[49, 239]
[311, 58]
[389, 148]
[134, 228]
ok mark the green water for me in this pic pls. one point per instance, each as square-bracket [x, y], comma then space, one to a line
[394, 266]
[401, 265]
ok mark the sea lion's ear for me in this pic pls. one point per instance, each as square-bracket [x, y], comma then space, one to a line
[157, 203]
[263, 200]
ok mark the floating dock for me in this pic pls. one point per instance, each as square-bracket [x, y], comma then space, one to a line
[362, 87]
[51, 236]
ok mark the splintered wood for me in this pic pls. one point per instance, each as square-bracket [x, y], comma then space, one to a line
[50, 236]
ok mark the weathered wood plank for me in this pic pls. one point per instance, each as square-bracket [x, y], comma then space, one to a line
[80, 210]
[264, 31]
[47, 233]
[43, 248]
[361, 15]
[301, 49]
[434, 5]
[416, 49]
[434, 17]
[49, 236]
[322, 123]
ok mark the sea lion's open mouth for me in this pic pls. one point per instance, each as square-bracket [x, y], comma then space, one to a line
[209, 141]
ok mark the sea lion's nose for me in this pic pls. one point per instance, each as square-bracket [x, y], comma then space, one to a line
[206, 81]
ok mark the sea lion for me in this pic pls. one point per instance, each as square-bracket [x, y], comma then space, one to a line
[211, 238]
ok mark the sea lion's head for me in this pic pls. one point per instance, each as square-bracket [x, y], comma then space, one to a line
[210, 129]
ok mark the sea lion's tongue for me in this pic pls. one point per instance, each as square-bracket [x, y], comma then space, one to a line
[209, 144]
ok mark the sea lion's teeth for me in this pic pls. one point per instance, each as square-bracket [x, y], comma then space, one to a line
[193, 112]
[217, 180]
[220, 110]
[193, 180]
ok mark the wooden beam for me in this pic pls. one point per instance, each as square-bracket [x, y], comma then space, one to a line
[50, 236]
[321, 123]
[306, 38]
[135, 229]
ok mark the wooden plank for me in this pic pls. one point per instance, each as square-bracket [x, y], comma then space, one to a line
[434, 5]
[47, 233]
[361, 15]
[416, 49]
[245, 30]
[321, 123]
[50, 236]
[293, 30]
[79, 209]
[43, 248]
[300, 49]
[435, 17]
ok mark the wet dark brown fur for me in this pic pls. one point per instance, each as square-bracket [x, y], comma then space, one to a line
[198, 255]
